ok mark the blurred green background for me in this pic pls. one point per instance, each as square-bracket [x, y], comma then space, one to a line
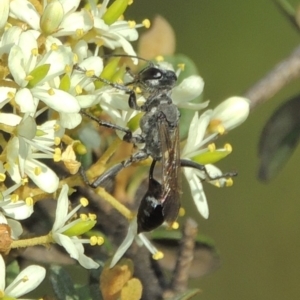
[255, 225]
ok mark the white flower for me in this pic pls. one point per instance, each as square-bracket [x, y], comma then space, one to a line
[25, 282]
[141, 240]
[72, 244]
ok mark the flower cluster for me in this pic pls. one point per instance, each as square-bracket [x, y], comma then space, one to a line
[48, 75]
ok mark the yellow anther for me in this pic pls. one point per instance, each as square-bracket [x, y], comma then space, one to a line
[159, 58]
[84, 202]
[24, 181]
[35, 51]
[93, 240]
[2, 177]
[57, 141]
[130, 2]
[56, 127]
[92, 217]
[131, 24]
[10, 95]
[138, 90]
[78, 89]
[90, 73]
[181, 66]
[229, 182]
[211, 147]
[221, 129]
[79, 32]
[37, 171]
[68, 69]
[28, 77]
[100, 240]
[217, 184]
[57, 155]
[14, 198]
[54, 47]
[146, 23]
[25, 278]
[181, 212]
[75, 58]
[29, 201]
[83, 217]
[228, 147]
[51, 92]
[158, 255]
[175, 225]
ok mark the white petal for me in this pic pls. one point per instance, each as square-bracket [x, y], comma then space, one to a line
[47, 180]
[10, 119]
[9, 38]
[69, 6]
[60, 101]
[197, 192]
[84, 260]
[67, 243]
[70, 121]
[18, 210]
[189, 89]
[16, 228]
[25, 11]
[4, 9]
[16, 65]
[62, 208]
[132, 232]
[25, 100]
[2, 274]
[34, 276]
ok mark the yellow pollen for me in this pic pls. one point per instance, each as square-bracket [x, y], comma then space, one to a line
[181, 66]
[146, 23]
[211, 147]
[159, 58]
[37, 171]
[158, 255]
[57, 155]
[229, 182]
[138, 90]
[2, 177]
[181, 212]
[56, 127]
[54, 47]
[10, 95]
[57, 141]
[14, 198]
[79, 32]
[24, 181]
[228, 147]
[92, 217]
[130, 2]
[100, 240]
[78, 89]
[217, 184]
[84, 202]
[175, 225]
[221, 129]
[90, 73]
[93, 240]
[83, 217]
[35, 51]
[131, 24]
[29, 77]
[29, 201]
[75, 58]
[51, 92]
[25, 278]
[68, 69]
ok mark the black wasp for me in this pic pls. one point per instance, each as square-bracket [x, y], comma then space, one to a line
[160, 135]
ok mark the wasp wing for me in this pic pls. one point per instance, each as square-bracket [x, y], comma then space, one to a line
[171, 180]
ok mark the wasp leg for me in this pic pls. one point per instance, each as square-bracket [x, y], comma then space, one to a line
[194, 165]
[113, 171]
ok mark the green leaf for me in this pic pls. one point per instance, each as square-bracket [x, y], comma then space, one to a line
[62, 284]
[279, 138]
